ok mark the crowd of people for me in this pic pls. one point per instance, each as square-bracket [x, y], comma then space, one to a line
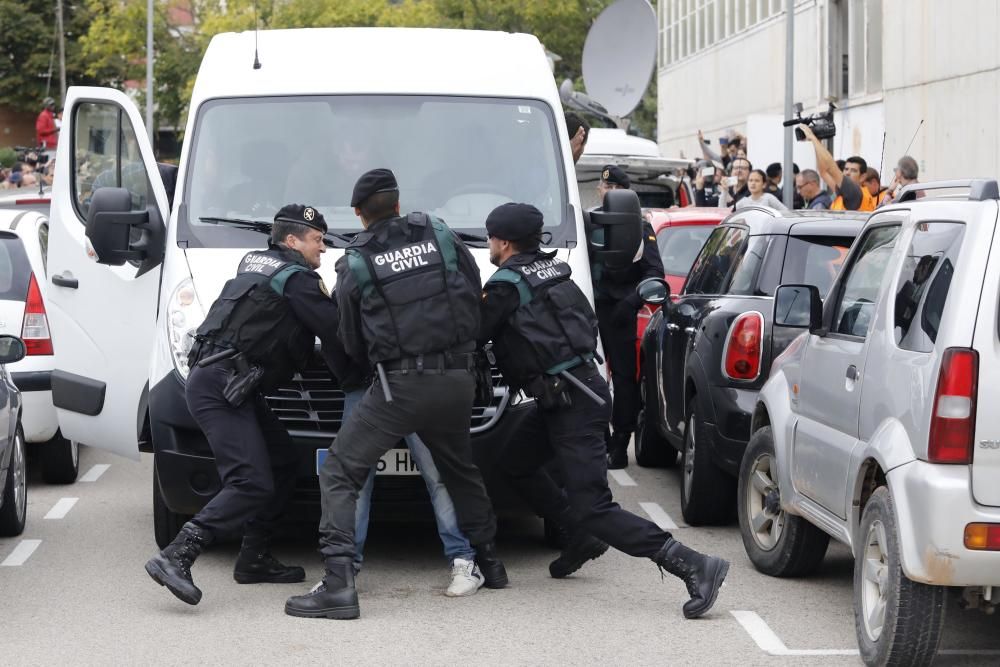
[33, 168]
[728, 179]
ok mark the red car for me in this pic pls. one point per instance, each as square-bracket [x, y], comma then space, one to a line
[680, 233]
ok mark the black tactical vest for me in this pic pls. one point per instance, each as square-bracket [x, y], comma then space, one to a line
[414, 300]
[253, 316]
[553, 329]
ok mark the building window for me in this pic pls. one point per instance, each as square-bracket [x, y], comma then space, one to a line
[855, 34]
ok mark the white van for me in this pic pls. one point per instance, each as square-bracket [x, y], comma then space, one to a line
[467, 120]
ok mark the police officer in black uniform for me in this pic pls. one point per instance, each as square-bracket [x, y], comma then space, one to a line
[617, 306]
[544, 334]
[257, 333]
[408, 293]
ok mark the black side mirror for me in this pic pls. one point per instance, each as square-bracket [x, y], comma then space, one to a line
[653, 290]
[617, 229]
[11, 349]
[110, 223]
[798, 307]
[168, 174]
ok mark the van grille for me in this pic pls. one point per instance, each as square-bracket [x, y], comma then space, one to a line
[312, 404]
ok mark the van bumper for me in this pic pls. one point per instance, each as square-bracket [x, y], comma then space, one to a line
[188, 478]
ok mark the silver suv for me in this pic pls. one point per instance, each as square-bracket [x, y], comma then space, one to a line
[867, 430]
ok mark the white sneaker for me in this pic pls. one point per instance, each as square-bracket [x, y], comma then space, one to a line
[465, 578]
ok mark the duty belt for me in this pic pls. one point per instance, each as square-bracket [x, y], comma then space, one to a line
[438, 361]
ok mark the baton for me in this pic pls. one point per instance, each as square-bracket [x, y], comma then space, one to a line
[218, 356]
[384, 381]
[575, 381]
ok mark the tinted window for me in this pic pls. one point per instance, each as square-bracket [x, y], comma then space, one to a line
[14, 269]
[859, 291]
[923, 284]
[716, 260]
[815, 260]
[747, 266]
[251, 156]
[680, 245]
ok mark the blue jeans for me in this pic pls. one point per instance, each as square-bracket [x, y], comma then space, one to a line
[456, 545]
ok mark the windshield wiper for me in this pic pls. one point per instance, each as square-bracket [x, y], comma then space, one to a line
[253, 225]
[472, 240]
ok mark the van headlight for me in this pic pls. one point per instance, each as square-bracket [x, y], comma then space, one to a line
[184, 316]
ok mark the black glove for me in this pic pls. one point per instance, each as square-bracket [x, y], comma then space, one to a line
[624, 313]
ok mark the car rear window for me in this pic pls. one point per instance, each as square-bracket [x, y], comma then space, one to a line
[814, 260]
[14, 269]
[680, 245]
[924, 281]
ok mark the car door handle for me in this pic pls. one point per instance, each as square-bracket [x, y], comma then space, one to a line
[66, 281]
[852, 372]
[673, 327]
[690, 331]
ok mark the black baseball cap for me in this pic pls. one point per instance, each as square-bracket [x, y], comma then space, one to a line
[513, 222]
[615, 174]
[372, 182]
[303, 215]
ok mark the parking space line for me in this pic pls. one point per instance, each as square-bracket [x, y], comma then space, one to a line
[95, 472]
[659, 516]
[770, 643]
[622, 478]
[21, 553]
[61, 508]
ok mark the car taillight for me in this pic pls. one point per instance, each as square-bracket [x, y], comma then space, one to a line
[953, 422]
[743, 349]
[982, 536]
[35, 330]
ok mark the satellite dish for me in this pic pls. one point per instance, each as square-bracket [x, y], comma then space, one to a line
[619, 55]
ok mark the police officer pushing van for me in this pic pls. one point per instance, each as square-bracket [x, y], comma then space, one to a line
[257, 333]
[544, 335]
[615, 276]
[408, 292]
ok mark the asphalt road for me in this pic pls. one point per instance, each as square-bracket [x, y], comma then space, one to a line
[73, 591]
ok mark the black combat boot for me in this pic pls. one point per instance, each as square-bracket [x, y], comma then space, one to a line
[256, 565]
[491, 566]
[618, 451]
[581, 548]
[172, 566]
[703, 575]
[334, 597]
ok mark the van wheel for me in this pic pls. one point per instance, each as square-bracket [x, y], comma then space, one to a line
[60, 460]
[708, 495]
[166, 524]
[898, 621]
[651, 449]
[778, 544]
[14, 504]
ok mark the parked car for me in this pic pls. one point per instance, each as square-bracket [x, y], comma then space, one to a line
[706, 355]
[868, 430]
[24, 240]
[13, 466]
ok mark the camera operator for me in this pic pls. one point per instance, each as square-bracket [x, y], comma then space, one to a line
[706, 185]
[851, 194]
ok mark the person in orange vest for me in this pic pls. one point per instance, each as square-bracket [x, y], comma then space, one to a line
[46, 132]
[851, 195]
[873, 182]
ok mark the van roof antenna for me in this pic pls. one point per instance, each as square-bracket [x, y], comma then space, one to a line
[256, 60]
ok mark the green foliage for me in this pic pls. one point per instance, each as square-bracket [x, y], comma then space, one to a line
[8, 156]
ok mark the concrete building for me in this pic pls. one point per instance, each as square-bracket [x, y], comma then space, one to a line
[886, 64]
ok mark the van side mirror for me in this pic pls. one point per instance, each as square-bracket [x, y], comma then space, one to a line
[653, 290]
[616, 229]
[110, 223]
[168, 174]
[798, 307]
[12, 349]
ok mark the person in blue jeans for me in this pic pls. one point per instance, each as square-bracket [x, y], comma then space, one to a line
[465, 576]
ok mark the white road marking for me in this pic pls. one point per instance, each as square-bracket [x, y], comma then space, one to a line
[658, 515]
[21, 553]
[61, 508]
[95, 472]
[622, 478]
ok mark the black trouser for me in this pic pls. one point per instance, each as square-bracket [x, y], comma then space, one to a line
[253, 452]
[436, 406]
[619, 348]
[574, 436]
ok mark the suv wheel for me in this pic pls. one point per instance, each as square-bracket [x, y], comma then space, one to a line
[14, 504]
[651, 449]
[898, 621]
[778, 544]
[166, 524]
[60, 460]
[707, 493]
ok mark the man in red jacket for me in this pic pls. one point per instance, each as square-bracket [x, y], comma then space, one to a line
[46, 132]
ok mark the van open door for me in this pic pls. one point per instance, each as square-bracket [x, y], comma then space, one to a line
[106, 242]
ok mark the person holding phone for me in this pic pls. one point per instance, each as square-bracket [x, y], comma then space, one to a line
[706, 184]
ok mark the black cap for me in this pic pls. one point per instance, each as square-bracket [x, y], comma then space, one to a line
[513, 222]
[303, 215]
[373, 182]
[615, 174]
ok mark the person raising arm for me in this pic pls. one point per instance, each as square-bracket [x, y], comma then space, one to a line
[851, 196]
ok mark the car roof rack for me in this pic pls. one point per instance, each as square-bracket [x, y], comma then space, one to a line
[980, 189]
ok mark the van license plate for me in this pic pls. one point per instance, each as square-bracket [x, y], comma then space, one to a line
[393, 462]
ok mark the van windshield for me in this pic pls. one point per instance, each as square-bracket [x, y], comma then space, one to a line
[454, 157]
